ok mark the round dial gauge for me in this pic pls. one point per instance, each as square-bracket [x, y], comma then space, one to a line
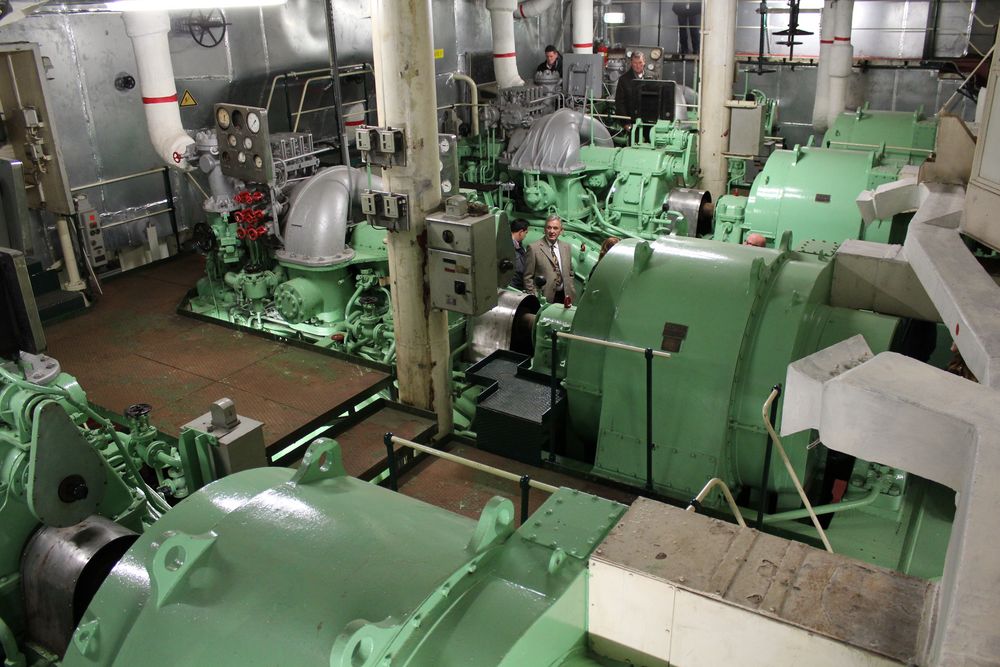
[444, 145]
[247, 143]
[650, 67]
[258, 161]
[654, 54]
[223, 119]
[232, 140]
[241, 157]
[253, 122]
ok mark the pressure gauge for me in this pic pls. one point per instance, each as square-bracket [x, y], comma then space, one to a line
[258, 161]
[247, 143]
[232, 140]
[654, 54]
[222, 117]
[241, 157]
[650, 67]
[253, 122]
[446, 186]
[444, 145]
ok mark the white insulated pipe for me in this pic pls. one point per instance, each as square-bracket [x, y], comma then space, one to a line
[407, 98]
[583, 26]
[73, 282]
[148, 31]
[504, 51]
[841, 59]
[821, 106]
[473, 99]
[530, 8]
[718, 68]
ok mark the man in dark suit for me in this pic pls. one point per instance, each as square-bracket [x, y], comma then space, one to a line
[553, 61]
[518, 230]
[550, 258]
[627, 94]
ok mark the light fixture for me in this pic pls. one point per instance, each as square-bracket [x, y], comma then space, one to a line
[614, 18]
[170, 5]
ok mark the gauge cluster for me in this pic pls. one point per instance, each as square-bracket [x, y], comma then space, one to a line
[244, 143]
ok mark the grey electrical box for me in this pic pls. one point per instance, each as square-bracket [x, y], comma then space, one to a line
[583, 75]
[239, 441]
[746, 128]
[89, 223]
[463, 258]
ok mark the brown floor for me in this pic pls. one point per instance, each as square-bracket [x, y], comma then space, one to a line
[132, 347]
[466, 491]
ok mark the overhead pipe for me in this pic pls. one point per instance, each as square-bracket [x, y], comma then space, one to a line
[718, 69]
[583, 26]
[407, 98]
[504, 51]
[827, 28]
[148, 32]
[530, 8]
[841, 59]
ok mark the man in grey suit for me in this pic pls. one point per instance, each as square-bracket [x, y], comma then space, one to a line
[550, 258]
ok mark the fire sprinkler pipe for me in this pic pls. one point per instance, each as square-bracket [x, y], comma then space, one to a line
[407, 99]
[826, 33]
[583, 26]
[148, 32]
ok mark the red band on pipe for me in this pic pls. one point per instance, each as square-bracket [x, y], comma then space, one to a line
[842, 39]
[583, 46]
[520, 8]
[354, 123]
[159, 100]
[505, 55]
[826, 41]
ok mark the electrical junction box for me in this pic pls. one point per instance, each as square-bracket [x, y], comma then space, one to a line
[463, 259]
[238, 441]
[89, 223]
[746, 128]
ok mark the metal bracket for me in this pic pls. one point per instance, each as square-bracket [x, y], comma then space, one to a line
[387, 210]
[382, 146]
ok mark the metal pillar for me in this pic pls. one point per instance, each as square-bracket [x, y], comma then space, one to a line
[407, 99]
[718, 68]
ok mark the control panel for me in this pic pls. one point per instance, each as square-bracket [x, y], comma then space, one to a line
[89, 222]
[466, 258]
[244, 143]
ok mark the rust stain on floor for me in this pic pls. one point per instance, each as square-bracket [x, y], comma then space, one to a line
[132, 347]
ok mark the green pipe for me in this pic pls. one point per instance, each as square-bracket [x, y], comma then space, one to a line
[832, 508]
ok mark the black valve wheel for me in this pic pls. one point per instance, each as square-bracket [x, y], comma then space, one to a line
[208, 29]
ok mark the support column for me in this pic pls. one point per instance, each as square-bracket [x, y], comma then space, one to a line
[407, 98]
[718, 68]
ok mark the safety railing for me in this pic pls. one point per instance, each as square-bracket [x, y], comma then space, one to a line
[525, 482]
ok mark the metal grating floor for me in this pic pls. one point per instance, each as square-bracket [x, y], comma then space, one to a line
[466, 491]
[132, 347]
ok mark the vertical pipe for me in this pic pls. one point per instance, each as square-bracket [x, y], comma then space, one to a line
[504, 51]
[583, 26]
[649, 419]
[73, 282]
[407, 98]
[841, 60]
[718, 68]
[767, 461]
[338, 99]
[826, 33]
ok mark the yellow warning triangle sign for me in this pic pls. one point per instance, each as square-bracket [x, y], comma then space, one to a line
[188, 100]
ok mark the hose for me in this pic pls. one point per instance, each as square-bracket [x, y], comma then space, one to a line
[791, 471]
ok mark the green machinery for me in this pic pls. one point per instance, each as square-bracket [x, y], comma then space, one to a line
[313, 567]
[74, 491]
[733, 318]
[811, 191]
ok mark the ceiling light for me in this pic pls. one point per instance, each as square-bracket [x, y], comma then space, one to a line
[613, 18]
[170, 5]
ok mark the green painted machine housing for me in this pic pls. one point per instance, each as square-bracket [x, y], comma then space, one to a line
[313, 567]
[811, 192]
[898, 137]
[737, 316]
